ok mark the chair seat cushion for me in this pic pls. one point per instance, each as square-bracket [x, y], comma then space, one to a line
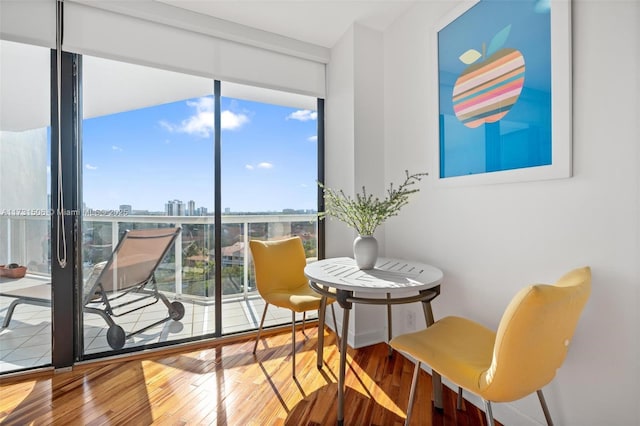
[457, 348]
[299, 299]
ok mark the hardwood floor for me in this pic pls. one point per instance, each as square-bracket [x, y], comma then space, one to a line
[228, 385]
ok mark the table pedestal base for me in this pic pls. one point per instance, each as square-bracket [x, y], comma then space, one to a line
[345, 300]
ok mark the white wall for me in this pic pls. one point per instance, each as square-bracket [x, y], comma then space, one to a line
[354, 152]
[340, 134]
[491, 240]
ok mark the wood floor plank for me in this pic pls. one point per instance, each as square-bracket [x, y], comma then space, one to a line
[229, 385]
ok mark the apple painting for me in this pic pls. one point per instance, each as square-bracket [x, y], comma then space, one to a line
[487, 89]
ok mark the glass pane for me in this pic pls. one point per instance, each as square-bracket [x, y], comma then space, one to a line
[147, 168]
[269, 190]
[25, 248]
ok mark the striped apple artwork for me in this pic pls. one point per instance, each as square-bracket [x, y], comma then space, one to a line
[491, 85]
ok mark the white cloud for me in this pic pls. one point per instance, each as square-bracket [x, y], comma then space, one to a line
[312, 139]
[166, 125]
[90, 167]
[303, 115]
[262, 165]
[201, 123]
[116, 148]
[232, 121]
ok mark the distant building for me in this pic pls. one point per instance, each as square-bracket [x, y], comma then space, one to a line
[174, 208]
[126, 209]
[191, 208]
[201, 211]
[234, 254]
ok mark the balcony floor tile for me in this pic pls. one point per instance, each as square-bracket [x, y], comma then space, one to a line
[21, 343]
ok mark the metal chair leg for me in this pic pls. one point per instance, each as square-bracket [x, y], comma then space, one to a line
[412, 392]
[335, 326]
[293, 343]
[459, 402]
[487, 409]
[304, 317]
[545, 409]
[264, 314]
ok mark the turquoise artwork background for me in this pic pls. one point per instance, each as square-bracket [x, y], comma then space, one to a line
[522, 138]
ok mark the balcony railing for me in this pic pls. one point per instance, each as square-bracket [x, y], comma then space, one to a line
[188, 272]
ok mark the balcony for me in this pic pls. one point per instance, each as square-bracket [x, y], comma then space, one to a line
[186, 274]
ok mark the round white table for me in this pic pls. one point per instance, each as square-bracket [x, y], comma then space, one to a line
[340, 278]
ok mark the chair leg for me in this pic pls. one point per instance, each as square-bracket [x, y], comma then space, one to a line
[459, 402]
[487, 409]
[12, 307]
[412, 392]
[264, 314]
[293, 343]
[304, 317]
[545, 409]
[335, 326]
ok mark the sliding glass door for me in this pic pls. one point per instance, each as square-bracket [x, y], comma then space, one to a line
[148, 155]
[25, 207]
[147, 164]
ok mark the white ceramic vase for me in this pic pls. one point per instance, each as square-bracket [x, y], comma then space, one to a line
[365, 251]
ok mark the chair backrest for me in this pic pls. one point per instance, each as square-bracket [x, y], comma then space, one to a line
[134, 260]
[534, 335]
[279, 264]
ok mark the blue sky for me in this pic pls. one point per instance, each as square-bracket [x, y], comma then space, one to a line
[149, 156]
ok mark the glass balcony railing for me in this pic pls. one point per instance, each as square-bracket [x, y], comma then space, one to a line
[188, 270]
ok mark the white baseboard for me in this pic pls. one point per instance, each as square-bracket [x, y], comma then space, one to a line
[361, 338]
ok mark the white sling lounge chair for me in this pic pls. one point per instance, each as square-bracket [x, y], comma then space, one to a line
[123, 284]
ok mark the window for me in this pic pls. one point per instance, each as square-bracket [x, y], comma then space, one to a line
[25, 201]
[148, 161]
[269, 187]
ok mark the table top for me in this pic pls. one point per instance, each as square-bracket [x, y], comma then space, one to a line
[388, 275]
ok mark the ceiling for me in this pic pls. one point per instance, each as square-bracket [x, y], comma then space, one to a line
[320, 22]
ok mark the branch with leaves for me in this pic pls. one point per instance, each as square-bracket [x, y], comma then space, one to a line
[365, 213]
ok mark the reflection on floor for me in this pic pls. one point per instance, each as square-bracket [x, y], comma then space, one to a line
[26, 342]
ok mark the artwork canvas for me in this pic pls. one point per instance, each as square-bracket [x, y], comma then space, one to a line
[496, 101]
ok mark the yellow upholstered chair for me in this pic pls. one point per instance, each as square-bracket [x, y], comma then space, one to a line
[279, 267]
[521, 357]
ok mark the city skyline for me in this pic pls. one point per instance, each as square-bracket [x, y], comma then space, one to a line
[130, 209]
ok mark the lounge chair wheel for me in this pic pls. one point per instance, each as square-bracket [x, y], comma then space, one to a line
[177, 311]
[115, 337]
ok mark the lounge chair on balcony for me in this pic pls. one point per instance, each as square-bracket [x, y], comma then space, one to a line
[123, 284]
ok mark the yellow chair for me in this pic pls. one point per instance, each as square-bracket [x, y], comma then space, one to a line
[279, 267]
[521, 357]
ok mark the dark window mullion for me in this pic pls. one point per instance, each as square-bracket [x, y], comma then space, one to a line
[217, 209]
[321, 223]
[62, 237]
